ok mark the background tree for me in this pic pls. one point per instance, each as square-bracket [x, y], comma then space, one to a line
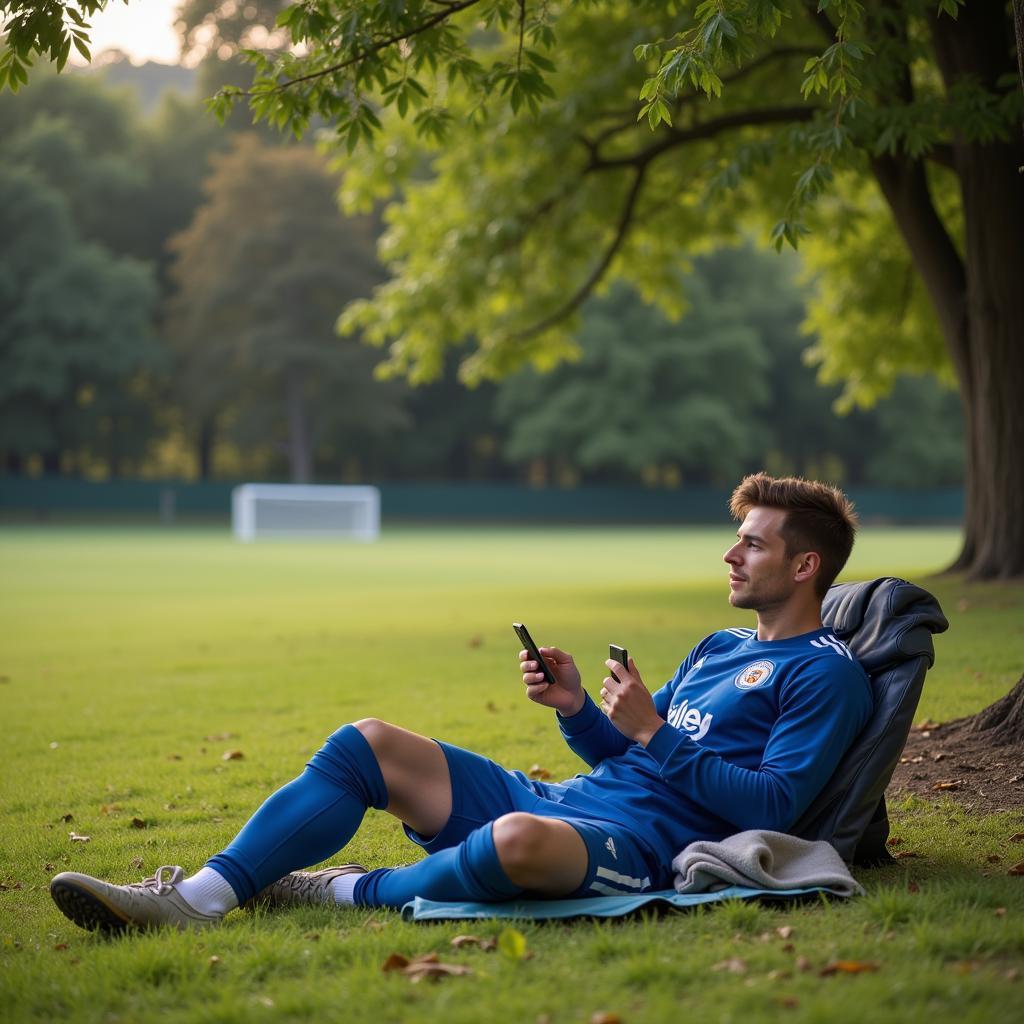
[260, 274]
[77, 349]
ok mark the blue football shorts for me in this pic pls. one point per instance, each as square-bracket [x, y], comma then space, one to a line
[620, 862]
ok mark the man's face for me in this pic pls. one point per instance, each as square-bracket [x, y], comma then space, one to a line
[760, 573]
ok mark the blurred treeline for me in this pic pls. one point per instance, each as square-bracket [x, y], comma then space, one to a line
[168, 293]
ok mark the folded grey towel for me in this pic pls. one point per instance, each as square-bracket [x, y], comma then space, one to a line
[760, 859]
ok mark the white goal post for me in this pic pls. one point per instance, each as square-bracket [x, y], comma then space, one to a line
[299, 511]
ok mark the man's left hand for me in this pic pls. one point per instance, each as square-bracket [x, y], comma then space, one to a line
[629, 705]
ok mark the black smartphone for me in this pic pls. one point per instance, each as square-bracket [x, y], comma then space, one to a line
[619, 654]
[531, 648]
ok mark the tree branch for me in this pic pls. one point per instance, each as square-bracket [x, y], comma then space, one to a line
[448, 10]
[640, 162]
[673, 137]
[581, 293]
[629, 117]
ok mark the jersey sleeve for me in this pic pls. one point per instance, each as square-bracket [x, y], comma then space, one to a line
[590, 733]
[822, 708]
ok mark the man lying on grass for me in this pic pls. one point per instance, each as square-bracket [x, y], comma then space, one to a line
[743, 736]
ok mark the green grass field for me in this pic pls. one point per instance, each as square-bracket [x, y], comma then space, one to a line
[131, 660]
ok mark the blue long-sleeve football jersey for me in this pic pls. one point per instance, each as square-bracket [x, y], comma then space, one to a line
[753, 731]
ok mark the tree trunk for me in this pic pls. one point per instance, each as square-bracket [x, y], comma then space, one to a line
[979, 299]
[979, 45]
[300, 442]
[1003, 721]
[204, 447]
[1018, 28]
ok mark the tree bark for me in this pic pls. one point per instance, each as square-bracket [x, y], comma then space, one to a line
[300, 441]
[1003, 721]
[1018, 28]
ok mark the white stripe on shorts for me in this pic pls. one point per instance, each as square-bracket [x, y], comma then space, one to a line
[625, 881]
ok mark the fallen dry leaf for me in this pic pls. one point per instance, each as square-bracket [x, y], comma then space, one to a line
[734, 965]
[940, 756]
[604, 1017]
[803, 964]
[76, 838]
[951, 784]
[219, 737]
[785, 932]
[475, 641]
[465, 940]
[848, 967]
[993, 858]
[905, 855]
[136, 863]
[394, 962]
[536, 772]
[60, 946]
[108, 809]
[1017, 837]
[1013, 974]
[1017, 869]
[426, 966]
[138, 822]
[264, 1001]
[963, 966]
[1000, 911]
[788, 1002]
[213, 961]
[232, 755]
[894, 841]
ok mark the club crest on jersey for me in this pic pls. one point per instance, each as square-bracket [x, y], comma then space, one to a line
[755, 675]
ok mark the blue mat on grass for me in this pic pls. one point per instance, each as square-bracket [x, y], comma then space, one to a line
[594, 906]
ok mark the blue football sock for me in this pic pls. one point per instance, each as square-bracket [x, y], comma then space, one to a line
[307, 820]
[469, 871]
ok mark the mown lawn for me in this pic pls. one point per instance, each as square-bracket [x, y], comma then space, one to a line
[132, 660]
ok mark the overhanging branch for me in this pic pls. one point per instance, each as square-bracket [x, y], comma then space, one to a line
[780, 53]
[639, 162]
[448, 9]
[673, 137]
[581, 293]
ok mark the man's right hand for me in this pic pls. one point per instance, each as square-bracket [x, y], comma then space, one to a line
[566, 696]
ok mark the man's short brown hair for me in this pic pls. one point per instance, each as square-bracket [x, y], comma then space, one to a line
[819, 518]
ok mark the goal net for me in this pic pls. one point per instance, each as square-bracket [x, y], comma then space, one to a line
[305, 511]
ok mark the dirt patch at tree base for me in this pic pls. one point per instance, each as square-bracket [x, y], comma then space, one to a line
[951, 760]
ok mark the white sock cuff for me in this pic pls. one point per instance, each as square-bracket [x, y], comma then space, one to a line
[208, 891]
[343, 887]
